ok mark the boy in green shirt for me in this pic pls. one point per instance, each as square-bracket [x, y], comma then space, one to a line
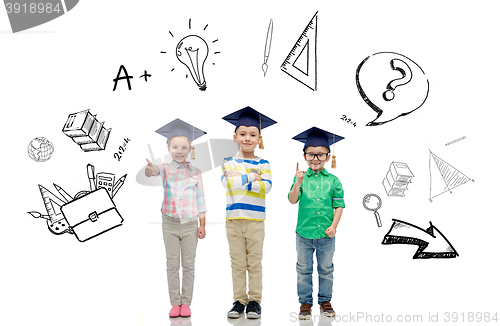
[321, 201]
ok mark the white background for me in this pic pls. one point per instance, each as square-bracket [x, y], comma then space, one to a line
[68, 65]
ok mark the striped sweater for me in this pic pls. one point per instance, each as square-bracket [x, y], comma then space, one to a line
[245, 197]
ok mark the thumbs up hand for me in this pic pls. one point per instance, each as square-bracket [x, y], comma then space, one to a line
[149, 169]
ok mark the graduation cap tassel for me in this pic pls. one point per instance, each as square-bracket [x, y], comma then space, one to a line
[261, 143]
[334, 162]
[192, 147]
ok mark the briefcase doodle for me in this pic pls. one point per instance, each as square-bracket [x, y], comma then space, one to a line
[92, 214]
[86, 214]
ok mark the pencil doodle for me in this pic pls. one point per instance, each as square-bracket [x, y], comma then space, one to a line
[431, 242]
[301, 62]
[85, 130]
[88, 213]
[24, 15]
[456, 140]
[210, 155]
[446, 176]
[377, 78]
[40, 149]
[373, 202]
[397, 179]
[267, 48]
[192, 51]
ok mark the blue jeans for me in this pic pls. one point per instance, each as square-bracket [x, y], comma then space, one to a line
[324, 255]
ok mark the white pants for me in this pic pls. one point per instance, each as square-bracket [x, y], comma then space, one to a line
[180, 245]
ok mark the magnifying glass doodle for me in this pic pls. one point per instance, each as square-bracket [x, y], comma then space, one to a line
[373, 203]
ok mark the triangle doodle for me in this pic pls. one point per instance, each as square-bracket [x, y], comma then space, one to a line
[301, 62]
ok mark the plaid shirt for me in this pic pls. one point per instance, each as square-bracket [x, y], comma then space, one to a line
[183, 197]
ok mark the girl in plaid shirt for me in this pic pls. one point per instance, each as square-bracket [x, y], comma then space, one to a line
[183, 205]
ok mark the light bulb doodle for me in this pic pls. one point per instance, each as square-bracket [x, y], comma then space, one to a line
[192, 51]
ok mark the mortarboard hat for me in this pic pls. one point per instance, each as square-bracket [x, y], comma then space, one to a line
[318, 137]
[250, 118]
[178, 127]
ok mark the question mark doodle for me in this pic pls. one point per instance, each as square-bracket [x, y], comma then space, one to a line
[404, 69]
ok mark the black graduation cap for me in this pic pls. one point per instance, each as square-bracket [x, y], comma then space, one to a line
[178, 127]
[250, 118]
[318, 137]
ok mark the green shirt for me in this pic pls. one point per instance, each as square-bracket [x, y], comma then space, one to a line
[319, 194]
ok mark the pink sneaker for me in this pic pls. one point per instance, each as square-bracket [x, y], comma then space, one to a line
[185, 311]
[175, 311]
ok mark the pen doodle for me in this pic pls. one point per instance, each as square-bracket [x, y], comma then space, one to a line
[456, 140]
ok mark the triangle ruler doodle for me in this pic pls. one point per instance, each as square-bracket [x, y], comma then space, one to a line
[443, 176]
[52, 204]
[301, 63]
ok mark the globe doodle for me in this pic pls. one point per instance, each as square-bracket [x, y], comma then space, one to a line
[40, 149]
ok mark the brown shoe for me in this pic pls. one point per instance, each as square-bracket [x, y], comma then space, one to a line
[326, 309]
[305, 311]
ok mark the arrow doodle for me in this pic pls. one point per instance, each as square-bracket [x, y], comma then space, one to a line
[431, 242]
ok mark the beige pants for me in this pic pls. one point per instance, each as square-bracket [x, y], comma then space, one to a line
[246, 239]
[180, 244]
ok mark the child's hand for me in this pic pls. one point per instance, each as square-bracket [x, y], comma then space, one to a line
[330, 232]
[149, 169]
[201, 232]
[231, 173]
[258, 177]
[299, 174]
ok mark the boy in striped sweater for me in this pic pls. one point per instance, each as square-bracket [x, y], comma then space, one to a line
[247, 179]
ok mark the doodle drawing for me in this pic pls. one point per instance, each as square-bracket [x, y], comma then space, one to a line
[193, 51]
[397, 179]
[88, 213]
[85, 130]
[267, 48]
[373, 202]
[40, 149]
[301, 62]
[392, 85]
[431, 242]
[456, 140]
[446, 177]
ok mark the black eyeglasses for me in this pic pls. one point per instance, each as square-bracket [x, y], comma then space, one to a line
[319, 156]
